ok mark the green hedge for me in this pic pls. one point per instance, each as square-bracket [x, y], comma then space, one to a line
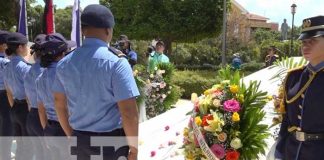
[247, 68]
[194, 81]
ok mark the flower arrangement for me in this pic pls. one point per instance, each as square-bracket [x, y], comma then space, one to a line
[160, 94]
[279, 106]
[225, 121]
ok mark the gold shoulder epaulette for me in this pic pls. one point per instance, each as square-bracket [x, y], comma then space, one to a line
[296, 69]
[302, 90]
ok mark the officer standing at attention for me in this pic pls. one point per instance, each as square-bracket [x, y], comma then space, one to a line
[14, 73]
[95, 91]
[301, 135]
[5, 120]
[34, 127]
[53, 49]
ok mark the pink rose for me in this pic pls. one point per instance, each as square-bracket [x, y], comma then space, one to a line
[218, 151]
[232, 106]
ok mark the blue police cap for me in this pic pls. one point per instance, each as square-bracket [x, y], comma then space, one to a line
[3, 36]
[312, 27]
[16, 38]
[98, 16]
[55, 43]
[39, 39]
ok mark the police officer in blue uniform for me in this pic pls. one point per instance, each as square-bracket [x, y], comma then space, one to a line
[14, 73]
[301, 135]
[53, 49]
[95, 90]
[34, 127]
[5, 120]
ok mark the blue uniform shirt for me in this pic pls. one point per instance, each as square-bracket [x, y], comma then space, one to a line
[44, 91]
[14, 74]
[30, 83]
[3, 62]
[132, 55]
[94, 80]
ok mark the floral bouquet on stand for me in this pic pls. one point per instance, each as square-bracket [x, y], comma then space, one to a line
[160, 93]
[279, 106]
[225, 122]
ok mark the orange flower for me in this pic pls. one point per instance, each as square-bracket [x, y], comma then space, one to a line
[282, 107]
[232, 155]
[205, 118]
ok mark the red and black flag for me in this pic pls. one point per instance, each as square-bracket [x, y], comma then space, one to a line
[49, 26]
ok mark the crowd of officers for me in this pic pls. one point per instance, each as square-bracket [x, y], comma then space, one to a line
[89, 91]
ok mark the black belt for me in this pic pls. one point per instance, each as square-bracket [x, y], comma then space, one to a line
[23, 101]
[116, 132]
[52, 122]
[3, 92]
[302, 136]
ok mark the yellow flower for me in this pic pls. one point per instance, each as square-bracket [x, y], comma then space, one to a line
[194, 97]
[215, 125]
[234, 88]
[198, 120]
[281, 92]
[185, 132]
[207, 92]
[235, 117]
[205, 103]
[270, 97]
[241, 98]
[135, 72]
[189, 156]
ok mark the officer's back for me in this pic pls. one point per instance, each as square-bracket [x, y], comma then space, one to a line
[99, 86]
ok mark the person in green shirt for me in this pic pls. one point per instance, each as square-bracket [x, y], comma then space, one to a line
[157, 56]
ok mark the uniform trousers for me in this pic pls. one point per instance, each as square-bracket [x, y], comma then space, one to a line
[5, 127]
[56, 141]
[19, 112]
[36, 133]
[114, 151]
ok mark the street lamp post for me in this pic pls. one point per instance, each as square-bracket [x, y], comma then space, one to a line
[224, 35]
[293, 11]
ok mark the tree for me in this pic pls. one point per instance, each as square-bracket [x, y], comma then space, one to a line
[261, 35]
[63, 21]
[35, 20]
[171, 20]
[8, 14]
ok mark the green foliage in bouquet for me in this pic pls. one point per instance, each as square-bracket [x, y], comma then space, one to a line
[253, 133]
[229, 117]
[139, 72]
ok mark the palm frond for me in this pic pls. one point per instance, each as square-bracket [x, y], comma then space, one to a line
[286, 64]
